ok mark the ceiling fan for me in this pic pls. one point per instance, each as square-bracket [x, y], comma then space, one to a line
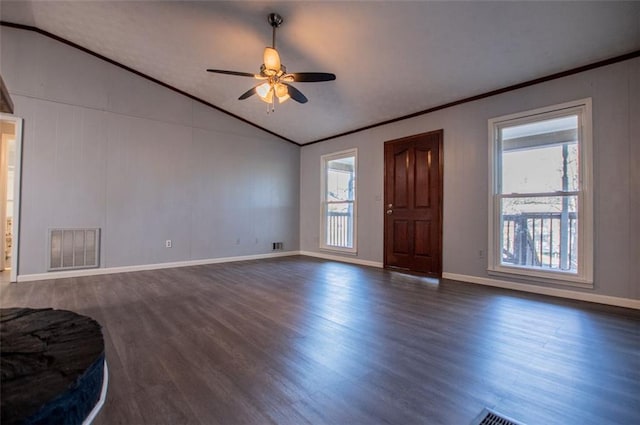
[274, 76]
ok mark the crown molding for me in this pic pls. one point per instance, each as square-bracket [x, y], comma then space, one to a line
[550, 77]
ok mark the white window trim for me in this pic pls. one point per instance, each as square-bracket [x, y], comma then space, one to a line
[584, 275]
[323, 179]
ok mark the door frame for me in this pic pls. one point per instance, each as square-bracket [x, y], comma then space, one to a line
[441, 206]
[17, 185]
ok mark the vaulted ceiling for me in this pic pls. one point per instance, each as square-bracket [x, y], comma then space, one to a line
[391, 58]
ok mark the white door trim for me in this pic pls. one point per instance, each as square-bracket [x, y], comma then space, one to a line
[15, 231]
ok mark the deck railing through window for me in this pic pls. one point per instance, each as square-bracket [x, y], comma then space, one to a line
[546, 240]
[338, 229]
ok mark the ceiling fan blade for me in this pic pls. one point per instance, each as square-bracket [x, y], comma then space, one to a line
[237, 73]
[296, 94]
[248, 93]
[312, 77]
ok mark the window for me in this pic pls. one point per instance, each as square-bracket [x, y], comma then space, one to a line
[540, 206]
[339, 201]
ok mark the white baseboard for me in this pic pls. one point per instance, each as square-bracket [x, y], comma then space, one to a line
[127, 269]
[555, 292]
[352, 260]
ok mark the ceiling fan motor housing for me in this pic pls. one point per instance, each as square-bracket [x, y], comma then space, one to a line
[275, 20]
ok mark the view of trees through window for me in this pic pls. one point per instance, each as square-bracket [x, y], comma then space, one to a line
[538, 188]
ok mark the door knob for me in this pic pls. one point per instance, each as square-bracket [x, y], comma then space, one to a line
[389, 212]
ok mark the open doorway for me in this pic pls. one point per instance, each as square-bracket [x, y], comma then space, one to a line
[10, 148]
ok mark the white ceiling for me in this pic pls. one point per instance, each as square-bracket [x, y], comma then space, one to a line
[391, 58]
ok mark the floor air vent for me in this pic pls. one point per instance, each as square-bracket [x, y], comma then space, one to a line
[74, 249]
[490, 417]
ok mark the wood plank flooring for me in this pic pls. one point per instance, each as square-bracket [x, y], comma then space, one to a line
[297, 340]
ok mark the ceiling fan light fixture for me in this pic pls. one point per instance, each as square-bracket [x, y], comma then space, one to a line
[282, 92]
[263, 90]
[284, 98]
[271, 59]
[268, 99]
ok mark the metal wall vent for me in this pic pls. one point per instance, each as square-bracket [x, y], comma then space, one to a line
[490, 417]
[74, 249]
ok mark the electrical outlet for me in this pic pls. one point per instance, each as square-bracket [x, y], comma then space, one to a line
[480, 254]
[167, 243]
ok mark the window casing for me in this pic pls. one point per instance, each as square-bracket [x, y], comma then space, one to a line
[339, 206]
[540, 199]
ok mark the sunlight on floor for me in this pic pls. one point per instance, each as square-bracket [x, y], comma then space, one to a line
[5, 277]
[400, 277]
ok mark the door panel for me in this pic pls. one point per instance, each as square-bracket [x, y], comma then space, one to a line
[401, 237]
[422, 238]
[422, 170]
[400, 180]
[413, 203]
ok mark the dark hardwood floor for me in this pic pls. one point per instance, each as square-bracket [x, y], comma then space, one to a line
[296, 340]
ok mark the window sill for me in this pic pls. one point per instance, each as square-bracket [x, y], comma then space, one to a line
[335, 250]
[531, 275]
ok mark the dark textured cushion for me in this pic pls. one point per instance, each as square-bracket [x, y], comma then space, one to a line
[51, 364]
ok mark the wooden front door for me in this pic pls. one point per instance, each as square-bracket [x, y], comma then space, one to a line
[413, 203]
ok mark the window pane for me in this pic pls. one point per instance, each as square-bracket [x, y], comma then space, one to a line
[339, 201]
[340, 179]
[540, 157]
[540, 232]
[541, 175]
[339, 225]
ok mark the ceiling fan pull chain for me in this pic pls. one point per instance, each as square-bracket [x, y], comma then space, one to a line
[271, 106]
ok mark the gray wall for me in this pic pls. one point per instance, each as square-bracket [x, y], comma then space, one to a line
[615, 91]
[106, 148]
